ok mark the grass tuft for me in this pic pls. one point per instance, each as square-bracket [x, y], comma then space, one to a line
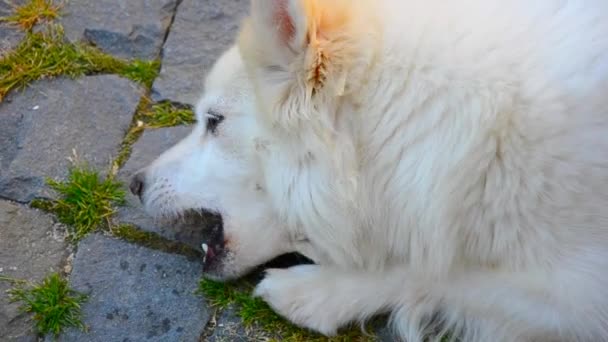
[140, 71]
[86, 201]
[54, 305]
[255, 312]
[33, 12]
[166, 114]
[46, 54]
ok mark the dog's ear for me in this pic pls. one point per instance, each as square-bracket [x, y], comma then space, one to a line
[281, 24]
[299, 50]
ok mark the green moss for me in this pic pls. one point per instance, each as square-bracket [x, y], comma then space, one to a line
[42, 204]
[166, 114]
[33, 12]
[137, 70]
[255, 312]
[151, 240]
[53, 304]
[86, 201]
[46, 54]
[130, 138]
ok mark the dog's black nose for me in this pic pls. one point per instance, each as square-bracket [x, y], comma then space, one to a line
[137, 184]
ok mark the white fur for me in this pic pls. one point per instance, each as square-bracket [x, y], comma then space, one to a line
[454, 166]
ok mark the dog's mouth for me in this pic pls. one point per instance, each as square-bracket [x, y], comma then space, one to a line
[213, 247]
[207, 230]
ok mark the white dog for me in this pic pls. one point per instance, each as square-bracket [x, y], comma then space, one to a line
[444, 161]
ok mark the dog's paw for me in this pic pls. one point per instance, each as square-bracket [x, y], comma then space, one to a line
[300, 294]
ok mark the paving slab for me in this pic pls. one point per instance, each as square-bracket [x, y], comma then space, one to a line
[45, 123]
[202, 30]
[10, 35]
[147, 148]
[32, 245]
[126, 29]
[136, 294]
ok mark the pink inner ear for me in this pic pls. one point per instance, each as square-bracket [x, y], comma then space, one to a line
[283, 21]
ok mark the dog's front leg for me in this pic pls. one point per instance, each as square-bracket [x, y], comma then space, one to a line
[324, 299]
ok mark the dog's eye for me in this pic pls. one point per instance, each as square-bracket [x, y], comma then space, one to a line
[213, 120]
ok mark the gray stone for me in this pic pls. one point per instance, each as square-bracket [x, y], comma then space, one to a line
[136, 294]
[9, 38]
[31, 246]
[202, 30]
[10, 35]
[149, 146]
[127, 29]
[51, 119]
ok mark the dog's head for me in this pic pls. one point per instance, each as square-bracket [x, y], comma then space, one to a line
[270, 155]
[213, 172]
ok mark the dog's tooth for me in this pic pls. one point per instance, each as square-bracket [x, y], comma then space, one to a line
[205, 249]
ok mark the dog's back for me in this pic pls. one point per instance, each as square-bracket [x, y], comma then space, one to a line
[502, 109]
[474, 137]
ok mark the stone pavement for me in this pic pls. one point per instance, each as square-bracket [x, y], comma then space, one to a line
[9, 36]
[135, 293]
[31, 245]
[201, 31]
[52, 118]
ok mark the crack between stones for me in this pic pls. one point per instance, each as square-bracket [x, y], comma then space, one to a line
[211, 325]
[12, 200]
[165, 37]
[170, 26]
